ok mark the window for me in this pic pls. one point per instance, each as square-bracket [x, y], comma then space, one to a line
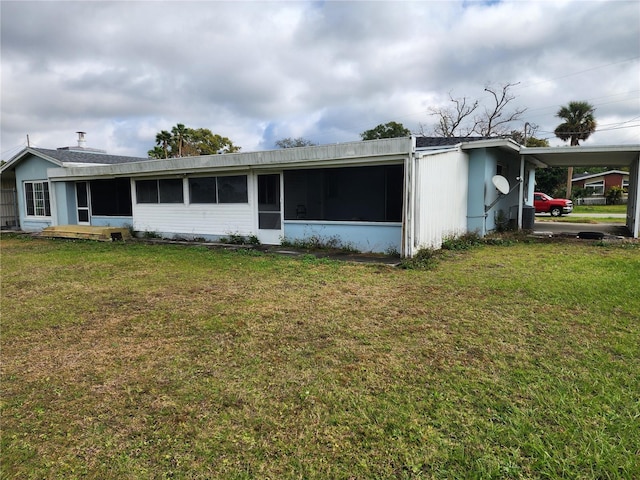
[111, 197]
[359, 194]
[230, 189]
[203, 190]
[37, 199]
[167, 190]
[595, 188]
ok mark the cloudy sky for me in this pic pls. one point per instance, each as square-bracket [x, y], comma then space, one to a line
[258, 71]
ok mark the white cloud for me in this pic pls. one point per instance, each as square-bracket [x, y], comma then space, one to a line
[259, 71]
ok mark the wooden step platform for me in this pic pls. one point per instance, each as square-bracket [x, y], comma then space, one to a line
[87, 232]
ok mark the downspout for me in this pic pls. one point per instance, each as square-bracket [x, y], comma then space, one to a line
[407, 240]
[521, 192]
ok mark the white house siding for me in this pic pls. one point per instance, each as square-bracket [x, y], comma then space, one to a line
[440, 198]
[196, 220]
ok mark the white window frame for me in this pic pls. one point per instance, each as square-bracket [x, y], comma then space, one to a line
[40, 205]
[596, 188]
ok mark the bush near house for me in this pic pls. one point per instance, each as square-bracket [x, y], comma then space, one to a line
[126, 361]
[614, 195]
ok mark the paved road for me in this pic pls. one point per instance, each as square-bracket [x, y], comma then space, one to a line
[559, 228]
[598, 215]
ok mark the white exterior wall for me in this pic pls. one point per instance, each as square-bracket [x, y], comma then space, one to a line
[217, 219]
[440, 193]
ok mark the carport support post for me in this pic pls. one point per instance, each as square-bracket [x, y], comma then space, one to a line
[521, 192]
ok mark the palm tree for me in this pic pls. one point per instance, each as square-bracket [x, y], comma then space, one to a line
[162, 139]
[579, 123]
[180, 134]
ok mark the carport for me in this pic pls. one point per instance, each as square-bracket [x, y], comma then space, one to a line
[597, 156]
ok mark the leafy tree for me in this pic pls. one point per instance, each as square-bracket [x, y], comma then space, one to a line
[388, 130]
[468, 117]
[579, 123]
[530, 141]
[184, 142]
[294, 142]
[550, 180]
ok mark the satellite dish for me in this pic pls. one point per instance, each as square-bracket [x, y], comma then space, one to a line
[501, 183]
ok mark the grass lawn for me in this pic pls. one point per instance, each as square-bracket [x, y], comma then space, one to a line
[600, 208]
[129, 361]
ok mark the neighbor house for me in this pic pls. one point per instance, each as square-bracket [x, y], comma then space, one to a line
[598, 184]
[399, 194]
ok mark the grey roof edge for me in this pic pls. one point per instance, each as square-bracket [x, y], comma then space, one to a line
[586, 176]
[308, 156]
[62, 157]
[18, 157]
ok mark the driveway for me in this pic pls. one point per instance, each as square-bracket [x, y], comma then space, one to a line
[573, 229]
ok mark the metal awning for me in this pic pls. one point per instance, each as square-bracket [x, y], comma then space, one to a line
[600, 156]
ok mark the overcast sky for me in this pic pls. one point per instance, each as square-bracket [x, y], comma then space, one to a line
[260, 71]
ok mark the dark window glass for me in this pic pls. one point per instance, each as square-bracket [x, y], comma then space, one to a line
[147, 191]
[111, 197]
[171, 190]
[269, 220]
[367, 194]
[202, 190]
[28, 189]
[82, 194]
[47, 202]
[233, 189]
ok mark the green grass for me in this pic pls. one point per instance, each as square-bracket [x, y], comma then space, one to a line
[127, 361]
[600, 208]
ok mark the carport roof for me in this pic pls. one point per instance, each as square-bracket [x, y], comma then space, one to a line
[597, 156]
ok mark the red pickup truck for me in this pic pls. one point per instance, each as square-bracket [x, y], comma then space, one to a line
[543, 203]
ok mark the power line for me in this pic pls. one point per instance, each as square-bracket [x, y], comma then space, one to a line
[524, 85]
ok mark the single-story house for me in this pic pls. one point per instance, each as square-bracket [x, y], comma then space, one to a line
[598, 184]
[398, 194]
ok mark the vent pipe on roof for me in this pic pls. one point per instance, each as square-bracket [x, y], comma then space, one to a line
[82, 143]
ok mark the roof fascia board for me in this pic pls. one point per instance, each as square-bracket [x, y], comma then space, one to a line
[78, 173]
[374, 151]
[505, 143]
[21, 155]
[601, 174]
[539, 153]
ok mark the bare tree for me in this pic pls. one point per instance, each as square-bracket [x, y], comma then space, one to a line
[451, 119]
[463, 119]
[496, 119]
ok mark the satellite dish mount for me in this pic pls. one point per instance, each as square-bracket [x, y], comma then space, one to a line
[502, 185]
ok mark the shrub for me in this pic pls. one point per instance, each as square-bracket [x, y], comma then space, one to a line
[424, 259]
[614, 195]
[462, 242]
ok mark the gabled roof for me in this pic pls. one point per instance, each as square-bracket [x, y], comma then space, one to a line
[62, 157]
[585, 176]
